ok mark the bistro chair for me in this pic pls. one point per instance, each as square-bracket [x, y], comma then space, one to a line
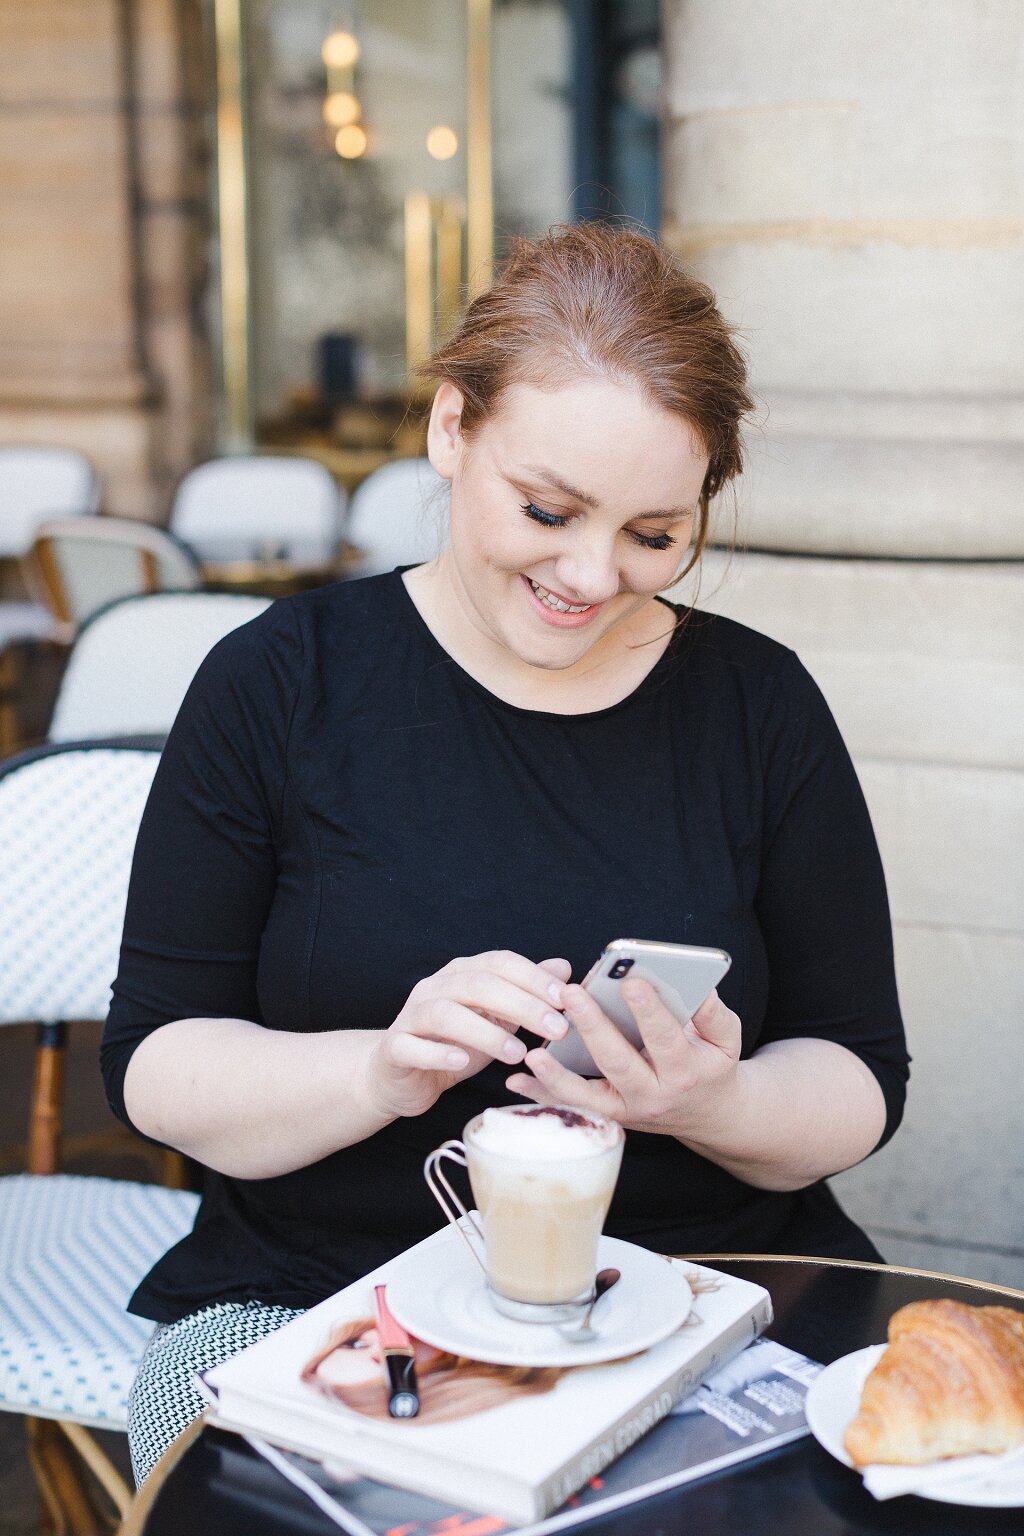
[259, 506]
[72, 1248]
[35, 483]
[132, 662]
[38, 483]
[397, 516]
[81, 565]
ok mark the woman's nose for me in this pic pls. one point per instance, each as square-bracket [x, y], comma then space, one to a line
[588, 571]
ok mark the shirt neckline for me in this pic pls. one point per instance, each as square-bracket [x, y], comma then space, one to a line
[469, 681]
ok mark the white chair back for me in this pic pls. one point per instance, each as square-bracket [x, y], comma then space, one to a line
[399, 516]
[259, 506]
[131, 663]
[87, 563]
[68, 822]
[37, 483]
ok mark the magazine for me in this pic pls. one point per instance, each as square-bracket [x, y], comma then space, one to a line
[511, 1442]
[752, 1406]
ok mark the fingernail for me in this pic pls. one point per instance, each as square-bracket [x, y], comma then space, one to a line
[457, 1059]
[555, 1023]
[513, 1050]
[555, 992]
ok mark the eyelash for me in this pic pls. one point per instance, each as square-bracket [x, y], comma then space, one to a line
[656, 541]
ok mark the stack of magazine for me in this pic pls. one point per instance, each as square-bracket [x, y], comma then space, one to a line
[519, 1446]
[751, 1406]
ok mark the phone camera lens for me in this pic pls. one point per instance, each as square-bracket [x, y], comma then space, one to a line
[619, 969]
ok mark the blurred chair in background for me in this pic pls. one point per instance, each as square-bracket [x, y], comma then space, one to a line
[397, 516]
[80, 565]
[35, 483]
[259, 506]
[72, 1249]
[132, 662]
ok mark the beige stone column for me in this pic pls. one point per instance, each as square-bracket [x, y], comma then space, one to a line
[102, 209]
[849, 179]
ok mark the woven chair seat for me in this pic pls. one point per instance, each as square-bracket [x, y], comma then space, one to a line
[71, 1352]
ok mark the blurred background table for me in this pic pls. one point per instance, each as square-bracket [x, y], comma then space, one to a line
[273, 577]
[212, 1481]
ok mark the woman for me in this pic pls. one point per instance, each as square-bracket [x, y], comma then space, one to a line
[385, 805]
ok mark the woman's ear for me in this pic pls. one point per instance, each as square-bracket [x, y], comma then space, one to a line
[444, 433]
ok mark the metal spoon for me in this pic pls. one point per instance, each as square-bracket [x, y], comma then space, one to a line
[581, 1332]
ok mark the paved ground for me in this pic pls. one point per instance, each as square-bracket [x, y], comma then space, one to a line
[95, 1145]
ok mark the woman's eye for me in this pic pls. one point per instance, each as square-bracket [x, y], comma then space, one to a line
[654, 540]
[548, 519]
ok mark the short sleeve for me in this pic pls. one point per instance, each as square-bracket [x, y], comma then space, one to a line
[821, 902]
[204, 869]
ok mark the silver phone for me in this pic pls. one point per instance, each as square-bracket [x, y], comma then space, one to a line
[682, 975]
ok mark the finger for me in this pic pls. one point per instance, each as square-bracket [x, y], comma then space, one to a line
[560, 969]
[455, 1024]
[515, 968]
[660, 1030]
[553, 1083]
[490, 994]
[617, 1060]
[718, 1025]
[415, 1053]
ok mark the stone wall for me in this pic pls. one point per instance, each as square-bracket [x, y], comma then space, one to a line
[103, 169]
[849, 179]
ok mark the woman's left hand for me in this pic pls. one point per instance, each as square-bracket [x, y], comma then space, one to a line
[681, 1084]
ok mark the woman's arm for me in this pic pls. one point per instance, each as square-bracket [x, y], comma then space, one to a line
[825, 1083]
[186, 1057]
[254, 1103]
[796, 1111]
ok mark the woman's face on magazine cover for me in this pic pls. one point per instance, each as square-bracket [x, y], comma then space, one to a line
[359, 1359]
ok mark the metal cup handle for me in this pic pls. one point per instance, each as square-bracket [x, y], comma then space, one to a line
[437, 1182]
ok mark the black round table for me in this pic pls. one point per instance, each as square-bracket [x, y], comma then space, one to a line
[212, 1484]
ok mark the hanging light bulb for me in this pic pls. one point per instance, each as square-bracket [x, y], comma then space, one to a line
[341, 108]
[350, 142]
[340, 50]
[442, 142]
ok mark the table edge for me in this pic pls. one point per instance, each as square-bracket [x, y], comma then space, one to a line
[826, 1263]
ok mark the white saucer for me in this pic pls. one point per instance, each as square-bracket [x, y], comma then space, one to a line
[984, 1482]
[440, 1297]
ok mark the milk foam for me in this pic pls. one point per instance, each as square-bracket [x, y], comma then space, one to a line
[533, 1134]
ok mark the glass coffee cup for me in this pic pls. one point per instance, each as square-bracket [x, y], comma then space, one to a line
[542, 1178]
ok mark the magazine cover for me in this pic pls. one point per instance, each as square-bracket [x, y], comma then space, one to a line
[749, 1407]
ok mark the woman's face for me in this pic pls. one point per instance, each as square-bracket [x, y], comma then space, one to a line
[570, 508]
[359, 1360]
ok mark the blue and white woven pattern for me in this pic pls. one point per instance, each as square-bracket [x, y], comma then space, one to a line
[68, 824]
[72, 1251]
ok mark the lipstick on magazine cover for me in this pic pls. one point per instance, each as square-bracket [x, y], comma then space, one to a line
[399, 1361]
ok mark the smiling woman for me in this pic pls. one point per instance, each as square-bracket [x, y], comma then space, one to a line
[396, 816]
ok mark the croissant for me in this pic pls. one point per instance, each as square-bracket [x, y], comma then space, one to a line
[950, 1383]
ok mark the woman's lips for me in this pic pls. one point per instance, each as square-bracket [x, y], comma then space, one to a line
[561, 617]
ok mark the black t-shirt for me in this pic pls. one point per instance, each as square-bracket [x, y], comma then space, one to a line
[340, 810]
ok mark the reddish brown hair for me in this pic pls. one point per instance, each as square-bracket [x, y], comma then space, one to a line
[598, 300]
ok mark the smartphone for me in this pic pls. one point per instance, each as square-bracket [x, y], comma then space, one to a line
[682, 974]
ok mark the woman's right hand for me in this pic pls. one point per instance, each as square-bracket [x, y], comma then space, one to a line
[459, 1019]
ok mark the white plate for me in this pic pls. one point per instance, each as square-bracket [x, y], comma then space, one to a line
[440, 1297]
[986, 1482]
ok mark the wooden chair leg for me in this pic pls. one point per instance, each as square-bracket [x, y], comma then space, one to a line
[44, 1128]
[174, 1170]
[68, 1503]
